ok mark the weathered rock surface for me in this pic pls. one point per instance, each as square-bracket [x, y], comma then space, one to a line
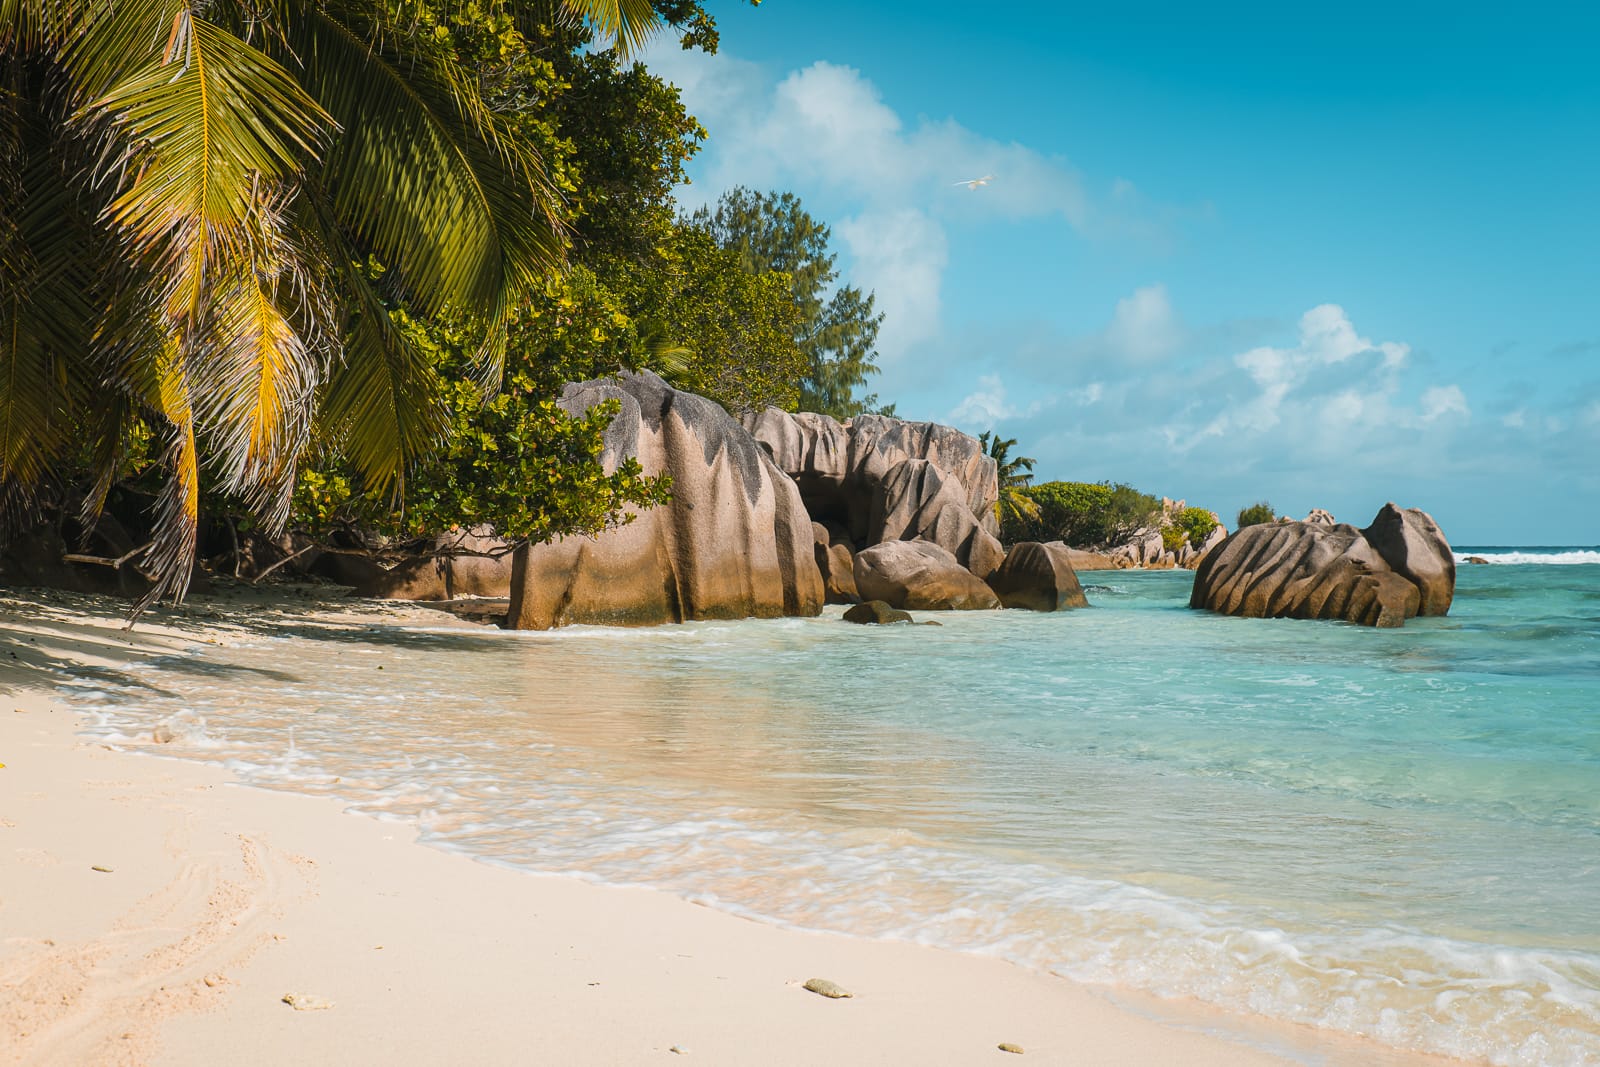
[734, 542]
[875, 612]
[919, 576]
[1414, 547]
[836, 563]
[1307, 570]
[917, 501]
[1038, 577]
[844, 471]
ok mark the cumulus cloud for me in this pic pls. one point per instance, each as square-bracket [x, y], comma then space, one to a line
[826, 131]
[904, 253]
[985, 406]
[1144, 328]
[1327, 340]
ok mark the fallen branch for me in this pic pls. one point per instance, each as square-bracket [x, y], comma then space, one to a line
[286, 559]
[105, 561]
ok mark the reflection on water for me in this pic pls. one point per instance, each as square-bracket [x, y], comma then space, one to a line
[1391, 833]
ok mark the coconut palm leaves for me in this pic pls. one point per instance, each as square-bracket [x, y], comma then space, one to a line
[1014, 503]
[208, 211]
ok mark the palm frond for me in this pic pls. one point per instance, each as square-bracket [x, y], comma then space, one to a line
[627, 23]
[430, 196]
[191, 136]
[169, 561]
[45, 311]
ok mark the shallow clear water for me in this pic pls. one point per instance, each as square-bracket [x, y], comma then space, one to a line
[1391, 833]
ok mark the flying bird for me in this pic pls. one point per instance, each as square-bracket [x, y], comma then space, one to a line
[974, 183]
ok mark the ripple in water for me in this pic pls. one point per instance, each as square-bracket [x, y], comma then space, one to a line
[1394, 834]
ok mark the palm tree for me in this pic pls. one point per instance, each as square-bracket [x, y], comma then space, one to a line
[1014, 504]
[208, 211]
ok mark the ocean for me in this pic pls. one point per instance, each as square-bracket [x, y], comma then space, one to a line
[1389, 833]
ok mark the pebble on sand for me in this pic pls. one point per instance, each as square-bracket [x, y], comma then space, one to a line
[831, 990]
[1006, 1046]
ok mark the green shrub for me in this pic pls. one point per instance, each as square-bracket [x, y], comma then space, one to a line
[1173, 537]
[1084, 514]
[1198, 524]
[1256, 514]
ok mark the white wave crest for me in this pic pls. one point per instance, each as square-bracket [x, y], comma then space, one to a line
[1558, 557]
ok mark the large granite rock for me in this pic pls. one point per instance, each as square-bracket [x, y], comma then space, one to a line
[851, 474]
[837, 565]
[1412, 544]
[1321, 570]
[1038, 577]
[919, 576]
[917, 501]
[734, 542]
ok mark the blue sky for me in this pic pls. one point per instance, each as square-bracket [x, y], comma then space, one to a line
[1230, 252]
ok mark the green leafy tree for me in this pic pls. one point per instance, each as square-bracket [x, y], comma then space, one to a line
[838, 335]
[209, 215]
[1254, 515]
[1014, 505]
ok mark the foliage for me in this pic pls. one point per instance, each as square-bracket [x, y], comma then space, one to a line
[773, 232]
[1014, 505]
[1254, 515]
[1191, 525]
[207, 220]
[517, 460]
[1084, 514]
[733, 331]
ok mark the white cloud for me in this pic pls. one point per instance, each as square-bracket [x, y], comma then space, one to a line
[1144, 328]
[985, 406]
[1439, 400]
[900, 256]
[1327, 339]
[825, 131]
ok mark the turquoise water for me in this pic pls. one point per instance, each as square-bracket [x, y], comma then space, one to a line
[1390, 833]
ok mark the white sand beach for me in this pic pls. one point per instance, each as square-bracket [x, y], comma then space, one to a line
[152, 911]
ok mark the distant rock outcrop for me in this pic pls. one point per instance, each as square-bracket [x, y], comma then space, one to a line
[919, 576]
[734, 542]
[884, 479]
[1038, 577]
[1146, 548]
[1398, 567]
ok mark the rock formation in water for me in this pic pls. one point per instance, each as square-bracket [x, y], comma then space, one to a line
[875, 613]
[1398, 567]
[919, 576]
[836, 563]
[734, 542]
[1038, 577]
[884, 479]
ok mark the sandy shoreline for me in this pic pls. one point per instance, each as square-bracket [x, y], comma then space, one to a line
[217, 900]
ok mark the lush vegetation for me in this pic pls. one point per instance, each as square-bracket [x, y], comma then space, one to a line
[1084, 514]
[1193, 525]
[773, 232]
[1014, 505]
[331, 264]
[1254, 515]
